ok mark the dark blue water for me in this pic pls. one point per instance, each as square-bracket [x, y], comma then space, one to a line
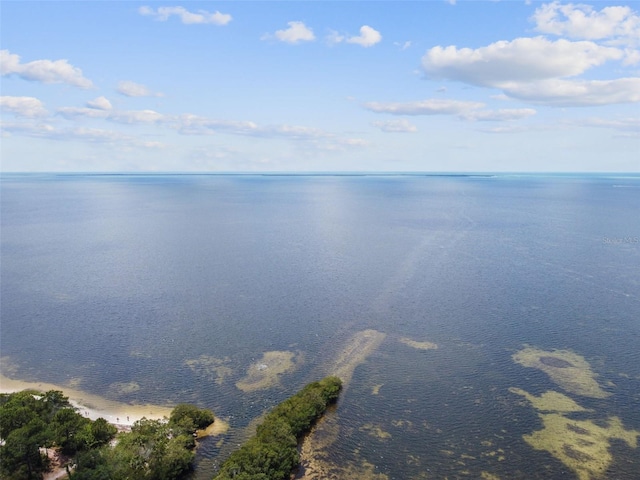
[115, 279]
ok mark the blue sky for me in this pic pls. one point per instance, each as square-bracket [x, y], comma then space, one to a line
[320, 86]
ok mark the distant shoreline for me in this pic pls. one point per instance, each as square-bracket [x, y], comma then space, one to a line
[461, 174]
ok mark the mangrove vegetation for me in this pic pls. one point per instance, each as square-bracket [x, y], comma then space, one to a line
[272, 453]
[40, 431]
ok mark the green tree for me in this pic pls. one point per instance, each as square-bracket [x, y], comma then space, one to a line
[92, 464]
[190, 418]
[67, 426]
[102, 432]
[51, 402]
[272, 453]
[152, 451]
[17, 410]
[20, 456]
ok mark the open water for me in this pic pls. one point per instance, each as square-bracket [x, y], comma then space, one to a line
[167, 288]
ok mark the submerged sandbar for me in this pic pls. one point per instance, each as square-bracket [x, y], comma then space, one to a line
[314, 451]
[419, 345]
[567, 369]
[266, 372]
[582, 445]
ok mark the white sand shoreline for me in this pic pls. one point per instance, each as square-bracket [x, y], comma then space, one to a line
[122, 415]
[92, 406]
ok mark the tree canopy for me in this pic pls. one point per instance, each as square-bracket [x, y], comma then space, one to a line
[272, 454]
[153, 449]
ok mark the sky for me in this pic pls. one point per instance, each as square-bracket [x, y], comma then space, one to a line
[320, 86]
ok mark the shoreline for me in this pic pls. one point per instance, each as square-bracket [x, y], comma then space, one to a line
[122, 415]
[119, 414]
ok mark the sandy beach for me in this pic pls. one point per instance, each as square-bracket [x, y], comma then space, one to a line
[122, 415]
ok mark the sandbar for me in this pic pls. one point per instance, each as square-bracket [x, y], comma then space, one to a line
[419, 345]
[266, 372]
[315, 456]
[566, 368]
[358, 348]
[550, 401]
[582, 445]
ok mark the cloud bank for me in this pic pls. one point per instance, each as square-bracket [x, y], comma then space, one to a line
[464, 110]
[29, 107]
[543, 71]
[45, 71]
[619, 24]
[162, 14]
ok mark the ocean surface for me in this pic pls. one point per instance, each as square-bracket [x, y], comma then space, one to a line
[171, 288]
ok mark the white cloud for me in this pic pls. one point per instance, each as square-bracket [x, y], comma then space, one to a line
[628, 124]
[132, 89]
[91, 135]
[306, 138]
[30, 129]
[577, 93]
[581, 21]
[424, 107]
[520, 60]
[315, 138]
[403, 46]
[202, 16]
[334, 38]
[536, 70]
[367, 38]
[462, 109]
[74, 112]
[500, 115]
[100, 103]
[137, 116]
[338, 144]
[128, 117]
[23, 106]
[631, 57]
[45, 71]
[186, 124]
[631, 135]
[353, 142]
[506, 129]
[395, 126]
[189, 124]
[297, 32]
[97, 135]
[294, 131]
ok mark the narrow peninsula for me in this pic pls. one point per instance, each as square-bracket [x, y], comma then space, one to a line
[272, 454]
